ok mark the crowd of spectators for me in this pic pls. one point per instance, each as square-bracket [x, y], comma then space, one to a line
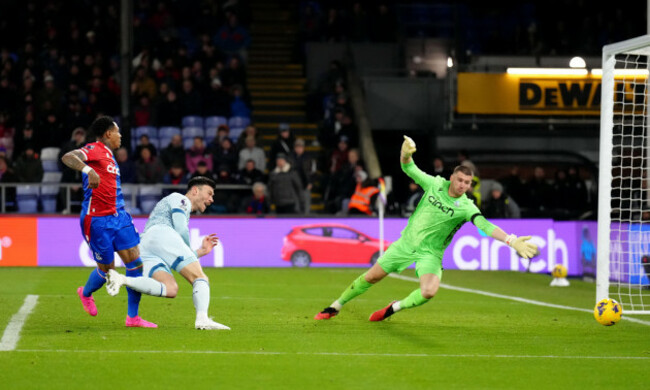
[60, 69]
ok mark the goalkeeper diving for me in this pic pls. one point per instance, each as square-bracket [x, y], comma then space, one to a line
[443, 209]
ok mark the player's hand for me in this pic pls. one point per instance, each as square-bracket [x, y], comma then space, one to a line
[209, 242]
[524, 249]
[93, 179]
[408, 147]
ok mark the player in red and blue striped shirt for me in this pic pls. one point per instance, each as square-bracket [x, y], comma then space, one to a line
[105, 225]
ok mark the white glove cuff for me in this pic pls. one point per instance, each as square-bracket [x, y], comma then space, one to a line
[510, 238]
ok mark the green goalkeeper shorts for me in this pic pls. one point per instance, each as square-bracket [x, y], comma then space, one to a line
[400, 256]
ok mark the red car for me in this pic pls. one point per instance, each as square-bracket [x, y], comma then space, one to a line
[329, 243]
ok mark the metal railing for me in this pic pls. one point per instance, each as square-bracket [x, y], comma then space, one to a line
[130, 190]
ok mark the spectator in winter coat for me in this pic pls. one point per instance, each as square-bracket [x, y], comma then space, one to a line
[250, 174]
[29, 167]
[284, 187]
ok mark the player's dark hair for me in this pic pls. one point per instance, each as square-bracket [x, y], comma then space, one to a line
[464, 169]
[198, 181]
[100, 126]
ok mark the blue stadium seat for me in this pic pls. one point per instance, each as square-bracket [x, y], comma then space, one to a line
[210, 133]
[49, 194]
[168, 131]
[238, 121]
[50, 159]
[52, 177]
[128, 190]
[50, 165]
[151, 131]
[191, 132]
[27, 198]
[192, 121]
[235, 132]
[164, 142]
[215, 121]
[148, 196]
[188, 143]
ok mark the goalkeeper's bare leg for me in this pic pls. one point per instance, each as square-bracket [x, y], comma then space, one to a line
[429, 285]
[358, 287]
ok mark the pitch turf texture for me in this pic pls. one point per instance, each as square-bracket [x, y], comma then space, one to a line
[460, 339]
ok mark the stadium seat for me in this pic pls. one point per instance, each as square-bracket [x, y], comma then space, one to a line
[148, 196]
[235, 132]
[133, 210]
[168, 131]
[188, 143]
[128, 190]
[191, 132]
[50, 166]
[210, 133]
[192, 121]
[50, 153]
[27, 198]
[238, 121]
[51, 177]
[215, 121]
[164, 142]
[48, 197]
[50, 159]
[151, 131]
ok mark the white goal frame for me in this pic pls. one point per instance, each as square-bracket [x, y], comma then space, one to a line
[639, 45]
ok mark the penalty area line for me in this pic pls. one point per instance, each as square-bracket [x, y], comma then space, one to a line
[404, 355]
[516, 299]
[11, 334]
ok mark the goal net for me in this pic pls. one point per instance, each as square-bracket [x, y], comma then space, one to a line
[624, 191]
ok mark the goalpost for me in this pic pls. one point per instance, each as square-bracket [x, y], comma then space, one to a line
[624, 189]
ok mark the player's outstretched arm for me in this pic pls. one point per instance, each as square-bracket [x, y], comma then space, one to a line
[408, 166]
[74, 159]
[524, 248]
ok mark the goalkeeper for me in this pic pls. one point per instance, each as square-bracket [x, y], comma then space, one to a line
[444, 208]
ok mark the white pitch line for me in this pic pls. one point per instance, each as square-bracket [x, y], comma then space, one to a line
[400, 355]
[516, 299]
[11, 334]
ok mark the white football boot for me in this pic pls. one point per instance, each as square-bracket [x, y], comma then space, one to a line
[208, 324]
[114, 280]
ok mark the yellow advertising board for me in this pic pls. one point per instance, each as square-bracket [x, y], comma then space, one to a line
[508, 94]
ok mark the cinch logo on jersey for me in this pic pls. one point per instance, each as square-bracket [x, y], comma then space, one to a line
[435, 202]
[110, 168]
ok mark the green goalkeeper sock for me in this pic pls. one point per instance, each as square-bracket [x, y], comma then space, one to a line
[358, 287]
[414, 299]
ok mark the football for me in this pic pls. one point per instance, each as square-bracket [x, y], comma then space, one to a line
[559, 271]
[608, 312]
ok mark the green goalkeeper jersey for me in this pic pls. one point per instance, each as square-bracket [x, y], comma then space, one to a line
[438, 216]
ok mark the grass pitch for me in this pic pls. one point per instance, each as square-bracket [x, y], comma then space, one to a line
[458, 340]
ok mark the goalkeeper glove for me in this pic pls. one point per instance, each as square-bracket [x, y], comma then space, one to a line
[408, 147]
[524, 249]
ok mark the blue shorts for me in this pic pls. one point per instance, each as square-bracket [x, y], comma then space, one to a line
[108, 234]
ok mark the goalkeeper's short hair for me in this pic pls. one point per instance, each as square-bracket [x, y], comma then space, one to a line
[464, 169]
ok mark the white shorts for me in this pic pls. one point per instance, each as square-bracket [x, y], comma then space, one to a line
[163, 249]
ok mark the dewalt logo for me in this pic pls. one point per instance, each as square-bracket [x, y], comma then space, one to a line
[574, 95]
